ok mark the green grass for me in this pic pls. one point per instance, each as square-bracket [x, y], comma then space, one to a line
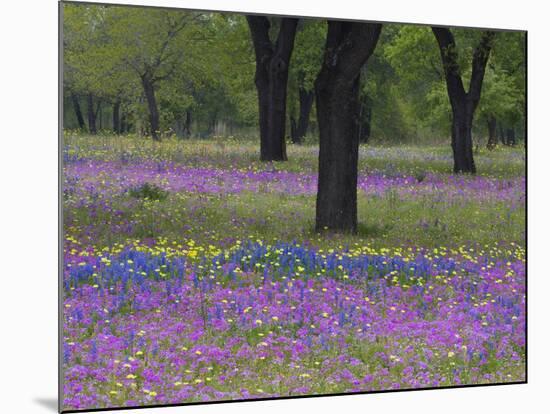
[503, 162]
[384, 221]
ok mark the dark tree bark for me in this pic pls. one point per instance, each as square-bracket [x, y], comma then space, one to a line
[299, 130]
[78, 111]
[212, 123]
[116, 117]
[463, 103]
[492, 141]
[348, 47]
[92, 115]
[294, 131]
[510, 137]
[501, 133]
[272, 62]
[123, 123]
[154, 117]
[187, 124]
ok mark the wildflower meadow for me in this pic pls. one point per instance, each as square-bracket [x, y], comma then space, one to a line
[193, 273]
[259, 206]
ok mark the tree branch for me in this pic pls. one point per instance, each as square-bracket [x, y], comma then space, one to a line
[349, 45]
[479, 62]
[449, 58]
[259, 29]
[285, 39]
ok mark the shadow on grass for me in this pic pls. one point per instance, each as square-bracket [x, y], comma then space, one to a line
[371, 230]
[364, 231]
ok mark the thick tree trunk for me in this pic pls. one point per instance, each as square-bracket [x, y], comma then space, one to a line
[116, 117]
[272, 62]
[154, 117]
[78, 111]
[492, 140]
[348, 47]
[461, 138]
[92, 128]
[272, 91]
[338, 115]
[299, 130]
[463, 103]
[272, 126]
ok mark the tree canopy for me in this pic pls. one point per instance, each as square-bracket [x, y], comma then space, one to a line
[192, 74]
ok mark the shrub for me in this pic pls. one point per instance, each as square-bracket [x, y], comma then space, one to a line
[420, 176]
[148, 191]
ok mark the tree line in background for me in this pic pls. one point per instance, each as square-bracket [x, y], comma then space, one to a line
[158, 72]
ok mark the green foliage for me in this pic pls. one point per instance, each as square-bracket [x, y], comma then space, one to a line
[381, 90]
[504, 84]
[203, 64]
[414, 55]
[501, 97]
[308, 53]
[235, 57]
[305, 63]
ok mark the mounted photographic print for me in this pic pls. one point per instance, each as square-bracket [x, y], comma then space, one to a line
[258, 207]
